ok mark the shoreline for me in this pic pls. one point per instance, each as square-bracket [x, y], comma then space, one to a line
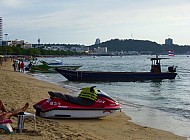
[18, 88]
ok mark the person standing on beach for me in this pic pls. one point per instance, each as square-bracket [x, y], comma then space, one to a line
[1, 61]
[14, 65]
[19, 66]
[22, 66]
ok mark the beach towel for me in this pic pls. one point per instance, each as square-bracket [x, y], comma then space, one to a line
[6, 125]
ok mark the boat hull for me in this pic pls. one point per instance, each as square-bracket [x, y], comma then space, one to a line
[51, 68]
[77, 113]
[73, 75]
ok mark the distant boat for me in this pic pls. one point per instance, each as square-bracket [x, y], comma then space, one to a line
[154, 74]
[56, 62]
[46, 67]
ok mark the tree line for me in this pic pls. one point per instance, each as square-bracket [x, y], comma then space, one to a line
[17, 50]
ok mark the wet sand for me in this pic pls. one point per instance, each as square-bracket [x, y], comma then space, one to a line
[18, 88]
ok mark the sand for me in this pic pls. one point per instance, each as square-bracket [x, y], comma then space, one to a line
[18, 88]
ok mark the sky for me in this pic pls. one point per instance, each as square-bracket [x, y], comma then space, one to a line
[83, 21]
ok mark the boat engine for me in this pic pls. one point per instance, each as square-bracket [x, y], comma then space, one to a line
[172, 68]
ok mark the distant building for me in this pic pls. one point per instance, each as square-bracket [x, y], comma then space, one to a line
[56, 48]
[80, 49]
[132, 53]
[100, 50]
[16, 42]
[169, 41]
[1, 31]
[97, 41]
[4, 43]
[27, 46]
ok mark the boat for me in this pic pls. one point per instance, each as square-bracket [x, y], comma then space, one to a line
[46, 67]
[55, 62]
[66, 106]
[88, 76]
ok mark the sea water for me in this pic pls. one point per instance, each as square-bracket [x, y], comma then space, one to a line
[164, 105]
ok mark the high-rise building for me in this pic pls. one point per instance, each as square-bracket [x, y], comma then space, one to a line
[97, 41]
[1, 31]
[169, 41]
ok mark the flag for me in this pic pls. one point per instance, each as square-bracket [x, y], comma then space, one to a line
[170, 53]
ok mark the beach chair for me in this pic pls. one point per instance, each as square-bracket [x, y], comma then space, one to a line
[6, 125]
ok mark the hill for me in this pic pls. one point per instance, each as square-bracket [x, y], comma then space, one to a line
[141, 46]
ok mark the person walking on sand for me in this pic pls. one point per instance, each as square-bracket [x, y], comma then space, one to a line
[8, 114]
[14, 65]
[19, 66]
[22, 66]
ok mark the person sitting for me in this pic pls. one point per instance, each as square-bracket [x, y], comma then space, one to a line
[89, 93]
[4, 115]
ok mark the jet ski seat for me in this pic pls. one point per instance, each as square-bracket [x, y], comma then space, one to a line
[71, 99]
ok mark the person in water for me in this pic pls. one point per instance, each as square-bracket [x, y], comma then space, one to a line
[8, 114]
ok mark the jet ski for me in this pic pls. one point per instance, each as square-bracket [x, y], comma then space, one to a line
[90, 103]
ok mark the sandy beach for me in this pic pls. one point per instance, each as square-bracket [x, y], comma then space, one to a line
[18, 88]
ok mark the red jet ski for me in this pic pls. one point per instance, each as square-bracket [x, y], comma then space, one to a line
[66, 106]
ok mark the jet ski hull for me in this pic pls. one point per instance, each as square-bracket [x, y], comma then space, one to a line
[77, 113]
[66, 106]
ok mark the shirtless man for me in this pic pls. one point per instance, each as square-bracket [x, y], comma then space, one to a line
[7, 114]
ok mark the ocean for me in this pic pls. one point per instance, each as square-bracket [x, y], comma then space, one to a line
[163, 105]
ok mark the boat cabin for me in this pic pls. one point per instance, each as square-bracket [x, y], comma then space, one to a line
[155, 67]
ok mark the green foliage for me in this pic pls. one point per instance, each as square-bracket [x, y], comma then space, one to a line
[17, 50]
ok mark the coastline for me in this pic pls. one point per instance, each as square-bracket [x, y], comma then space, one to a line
[18, 88]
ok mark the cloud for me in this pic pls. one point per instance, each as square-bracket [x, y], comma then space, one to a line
[92, 18]
[11, 3]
